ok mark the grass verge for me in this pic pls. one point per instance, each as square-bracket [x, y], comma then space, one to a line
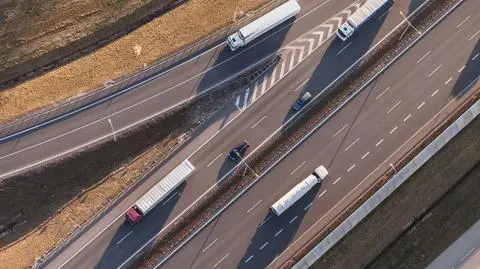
[409, 205]
[142, 47]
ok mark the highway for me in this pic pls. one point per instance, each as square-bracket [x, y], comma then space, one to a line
[463, 253]
[156, 96]
[109, 242]
[357, 145]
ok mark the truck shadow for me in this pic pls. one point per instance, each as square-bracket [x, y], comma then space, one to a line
[129, 238]
[339, 56]
[251, 55]
[278, 231]
[469, 75]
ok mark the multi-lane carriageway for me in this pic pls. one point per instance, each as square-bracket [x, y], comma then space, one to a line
[109, 242]
[358, 144]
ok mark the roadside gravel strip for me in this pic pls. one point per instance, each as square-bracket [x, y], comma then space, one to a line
[283, 142]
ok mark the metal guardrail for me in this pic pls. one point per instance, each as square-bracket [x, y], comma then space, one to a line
[111, 89]
[386, 190]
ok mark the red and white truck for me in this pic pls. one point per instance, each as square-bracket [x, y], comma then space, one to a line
[161, 190]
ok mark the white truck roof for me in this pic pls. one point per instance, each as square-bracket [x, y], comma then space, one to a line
[156, 194]
[365, 11]
[270, 20]
[294, 194]
[321, 172]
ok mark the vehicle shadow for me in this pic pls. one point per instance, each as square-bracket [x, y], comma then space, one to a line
[225, 64]
[278, 231]
[129, 238]
[339, 56]
[470, 74]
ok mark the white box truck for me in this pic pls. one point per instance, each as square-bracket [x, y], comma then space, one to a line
[363, 14]
[161, 190]
[280, 206]
[263, 24]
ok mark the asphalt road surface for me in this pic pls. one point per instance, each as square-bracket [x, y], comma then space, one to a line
[110, 242]
[356, 146]
[464, 253]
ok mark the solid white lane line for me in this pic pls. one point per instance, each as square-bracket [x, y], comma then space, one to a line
[473, 36]
[274, 72]
[435, 70]
[123, 238]
[237, 104]
[209, 245]
[461, 69]
[393, 107]
[475, 57]
[279, 231]
[466, 255]
[393, 130]
[251, 208]
[379, 142]
[336, 180]
[339, 131]
[384, 13]
[353, 143]
[292, 220]
[264, 245]
[166, 201]
[365, 155]
[249, 258]
[407, 117]
[113, 130]
[216, 158]
[344, 48]
[460, 24]
[433, 93]
[351, 167]
[424, 56]
[297, 167]
[420, 106]
[253, 126]
[307, 207]
[450, 79]
[221, 260]
[321, 194]
[380, 95]
[245, 99]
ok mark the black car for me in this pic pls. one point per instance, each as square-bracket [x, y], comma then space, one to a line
[238, 151]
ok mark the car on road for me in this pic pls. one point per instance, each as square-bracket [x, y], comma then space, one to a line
[238, 151]
[300, 102]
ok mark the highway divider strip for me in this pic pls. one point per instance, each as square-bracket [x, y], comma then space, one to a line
[194, 231]
[247, 80]
[391, 185]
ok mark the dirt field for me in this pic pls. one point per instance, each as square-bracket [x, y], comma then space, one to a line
[141, 47]
[72, 190]
[409, 204]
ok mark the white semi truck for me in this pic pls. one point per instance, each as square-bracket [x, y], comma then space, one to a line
[161, 190]
[363, 14]
[280, 206]
[263, 24]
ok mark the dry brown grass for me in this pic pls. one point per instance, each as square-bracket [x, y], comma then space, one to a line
[22, 253]
[158, 38]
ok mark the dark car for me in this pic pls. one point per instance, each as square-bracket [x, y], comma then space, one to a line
[300, 102]
[238, 151]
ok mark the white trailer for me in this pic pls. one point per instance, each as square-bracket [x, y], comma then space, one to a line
[363, 14]
[299, 191]
[161, 190]
[263, 24]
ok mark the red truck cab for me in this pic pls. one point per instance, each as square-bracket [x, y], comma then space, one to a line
[133, 216]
